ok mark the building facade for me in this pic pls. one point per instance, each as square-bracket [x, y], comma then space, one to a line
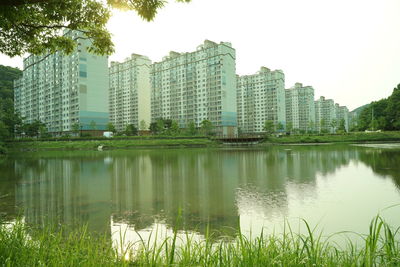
[197, 86]
[342, 116]
[129, 93]
[261, 98]
[64, 91]
[300, 108]
[325, 115]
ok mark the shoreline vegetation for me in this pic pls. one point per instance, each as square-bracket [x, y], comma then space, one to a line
[21, 245]
[129, 142]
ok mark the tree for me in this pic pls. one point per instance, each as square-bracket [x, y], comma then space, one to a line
[32, 129]
[289, 127]
[206, 127]
[12, 121]
[269, 127]
[322, 125]
[160, 126]
[93, 125]
[131, 130]
[75, 128]
[153, 128]
[110, 127]
[35, 26]
[342, 125]
[280, 127]
[374, 124]
[43, 132]
[311, 126]
[175, 130]
[191, 129]
[383, 114]
[4, 132]
[143, 125]
[333, 125]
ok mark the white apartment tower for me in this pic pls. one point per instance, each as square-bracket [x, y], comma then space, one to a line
[62, 90]
[261, 98]
[300, 108]
[197, 86]
[129, 95]
[325, 113]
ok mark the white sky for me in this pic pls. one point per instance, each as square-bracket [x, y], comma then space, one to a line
[348, 50]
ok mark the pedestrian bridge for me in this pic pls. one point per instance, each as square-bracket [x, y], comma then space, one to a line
[240, 139]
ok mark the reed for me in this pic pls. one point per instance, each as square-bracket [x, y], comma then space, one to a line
[24, 246]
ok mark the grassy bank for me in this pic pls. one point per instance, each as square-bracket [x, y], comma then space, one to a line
[56, 248]
[91, 143]
[109, 143]
[358, 137]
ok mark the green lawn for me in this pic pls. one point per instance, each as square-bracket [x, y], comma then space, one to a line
[358, 137]
[110, 144]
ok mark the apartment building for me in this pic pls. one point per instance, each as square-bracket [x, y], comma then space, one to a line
[196, 86]
[261, 98]
[129, 93]
[300, 108]
[325, 114]
[342, 113]
[64, 90]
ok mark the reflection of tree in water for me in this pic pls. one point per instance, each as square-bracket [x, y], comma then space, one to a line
[61, 189]
[385, 162]
[205, 186]
[8, 209]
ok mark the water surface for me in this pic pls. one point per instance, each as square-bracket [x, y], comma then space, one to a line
[337, 187]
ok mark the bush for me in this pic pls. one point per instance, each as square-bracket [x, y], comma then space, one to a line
[3, 149]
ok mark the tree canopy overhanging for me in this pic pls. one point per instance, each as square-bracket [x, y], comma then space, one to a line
[36, 26]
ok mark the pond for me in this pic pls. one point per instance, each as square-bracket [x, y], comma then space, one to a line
[219, 190]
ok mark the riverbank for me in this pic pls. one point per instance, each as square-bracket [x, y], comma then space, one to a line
[182, 142]
[23, 246]
[357, 137]
[106, 144]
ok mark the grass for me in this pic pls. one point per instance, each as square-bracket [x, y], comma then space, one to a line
[356, 137]
[22, 246]
[111, 144]
[180, 141]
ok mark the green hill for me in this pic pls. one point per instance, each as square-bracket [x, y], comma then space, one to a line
[8, 119]
[7, 76]
[383, 114]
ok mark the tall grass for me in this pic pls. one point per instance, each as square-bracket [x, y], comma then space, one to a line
[21, 246]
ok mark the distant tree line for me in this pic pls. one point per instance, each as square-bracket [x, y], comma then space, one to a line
[381, 115]
[167, 127]
[171, 127]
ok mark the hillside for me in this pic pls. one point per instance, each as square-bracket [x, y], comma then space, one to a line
[8, 120]
[7, 76]
[383, 114]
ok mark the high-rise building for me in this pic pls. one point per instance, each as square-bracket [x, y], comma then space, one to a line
[325, 114]
[300, 108]
[197, 86]
[129, 95]
[63, 91]
[261, 98]
[342, 114]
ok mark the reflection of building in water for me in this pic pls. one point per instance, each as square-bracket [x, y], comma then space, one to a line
[206, 186]
[66, 191]
[172, 184]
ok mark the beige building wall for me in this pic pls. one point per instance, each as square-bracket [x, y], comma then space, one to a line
[129, 92]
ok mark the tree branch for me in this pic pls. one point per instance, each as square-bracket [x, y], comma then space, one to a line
[23, 2]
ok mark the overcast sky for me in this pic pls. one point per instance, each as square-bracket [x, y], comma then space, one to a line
[348, 50]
